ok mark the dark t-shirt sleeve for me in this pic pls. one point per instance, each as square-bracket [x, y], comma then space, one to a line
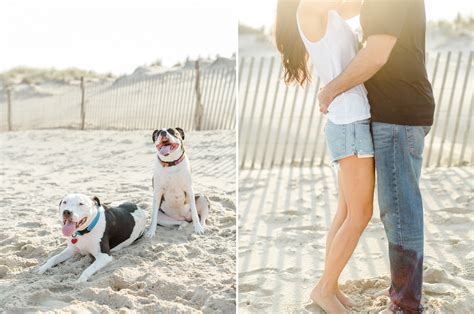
[388, 18]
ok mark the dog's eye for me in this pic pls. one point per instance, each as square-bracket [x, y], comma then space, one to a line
[64, 202]
[81, 204]
[171, 131]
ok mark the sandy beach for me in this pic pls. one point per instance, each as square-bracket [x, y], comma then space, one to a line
[284, 214]
[175, 272]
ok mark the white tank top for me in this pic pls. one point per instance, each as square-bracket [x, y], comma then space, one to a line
[330, 56]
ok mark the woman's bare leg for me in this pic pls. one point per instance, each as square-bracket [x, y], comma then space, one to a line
[337, 222]
[357, 179]
[339, 217]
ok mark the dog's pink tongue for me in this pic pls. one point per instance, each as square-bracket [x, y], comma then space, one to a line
[68, 229]
[165, 150]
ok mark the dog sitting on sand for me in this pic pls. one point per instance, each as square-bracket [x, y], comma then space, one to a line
[174, 201]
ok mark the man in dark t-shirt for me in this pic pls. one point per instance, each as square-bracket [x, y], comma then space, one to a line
[392, 66]
[399, 92]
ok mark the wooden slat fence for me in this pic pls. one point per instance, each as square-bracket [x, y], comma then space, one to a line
[129, 103]
[281, 125]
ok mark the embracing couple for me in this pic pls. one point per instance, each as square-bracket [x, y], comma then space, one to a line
[379, 106]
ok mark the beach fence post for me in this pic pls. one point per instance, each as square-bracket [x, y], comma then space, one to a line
[199, 107]
[9, 107]
[83, 109]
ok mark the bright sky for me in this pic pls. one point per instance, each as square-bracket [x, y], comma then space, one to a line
[114, 36]
[117, 36]
[259, 13]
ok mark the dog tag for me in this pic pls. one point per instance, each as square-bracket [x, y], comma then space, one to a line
[74, 241]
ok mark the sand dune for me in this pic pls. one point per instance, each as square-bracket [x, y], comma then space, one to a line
[284, 215]
[177, 271]
[136, 101]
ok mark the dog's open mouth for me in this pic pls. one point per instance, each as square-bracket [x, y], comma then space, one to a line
[166, 147]
[70, 226]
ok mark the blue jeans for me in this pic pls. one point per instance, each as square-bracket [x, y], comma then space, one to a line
[398, 161]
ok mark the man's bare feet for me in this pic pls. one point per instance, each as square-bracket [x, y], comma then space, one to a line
[328, 302]
[344, 299]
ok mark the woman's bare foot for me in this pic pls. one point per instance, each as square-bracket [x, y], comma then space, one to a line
[344, 299]
[328, 302]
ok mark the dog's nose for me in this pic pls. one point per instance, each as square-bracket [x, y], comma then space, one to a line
[163, 133]
[67, 213]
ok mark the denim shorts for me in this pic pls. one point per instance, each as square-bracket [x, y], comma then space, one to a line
[345, 140]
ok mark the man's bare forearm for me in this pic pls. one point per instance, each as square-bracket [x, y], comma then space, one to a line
[365, 64]
[362, 68]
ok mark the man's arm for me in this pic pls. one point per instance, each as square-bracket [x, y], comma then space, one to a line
[366, 63]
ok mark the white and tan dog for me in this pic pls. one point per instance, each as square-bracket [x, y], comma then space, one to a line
[174, 201]
[92, 228]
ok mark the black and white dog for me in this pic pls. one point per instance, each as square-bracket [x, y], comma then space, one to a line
[174, 201]
[92, 228]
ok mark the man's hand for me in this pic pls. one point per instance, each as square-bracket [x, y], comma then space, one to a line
[325, 97]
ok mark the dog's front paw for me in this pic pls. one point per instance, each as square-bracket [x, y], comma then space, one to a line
[43, 268]
[150, 233]
[198, 229]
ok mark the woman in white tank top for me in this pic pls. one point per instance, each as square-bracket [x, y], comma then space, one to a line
[315, 31]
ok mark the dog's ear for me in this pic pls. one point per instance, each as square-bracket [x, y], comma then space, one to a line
[154, 135]
[181, 132]
[96, 201]
[60, 202]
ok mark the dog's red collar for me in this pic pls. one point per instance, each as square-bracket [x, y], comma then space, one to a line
[172, 163]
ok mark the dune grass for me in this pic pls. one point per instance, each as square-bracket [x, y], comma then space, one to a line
[30, 75]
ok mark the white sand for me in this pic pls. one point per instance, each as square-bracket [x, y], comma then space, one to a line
[177, 271]
[284, 215]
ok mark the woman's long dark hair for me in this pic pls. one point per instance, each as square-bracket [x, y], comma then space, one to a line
[294, 56]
